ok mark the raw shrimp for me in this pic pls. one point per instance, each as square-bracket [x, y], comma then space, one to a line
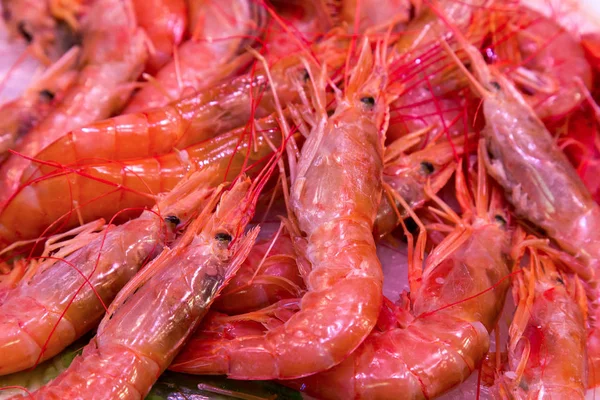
[152, 318]
[541, 184]
[268, 275]
[407, 172]
[49, 26]
[459, 300]
[62, 197]
[66, 298]
[190, 120]
[113, 53]
[547, 337]
[208, 57]
[368, 15]
[164, 21]
[22, 114]
[334, 197]
[546, 63]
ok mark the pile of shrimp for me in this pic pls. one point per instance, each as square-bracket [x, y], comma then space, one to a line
[358, 199]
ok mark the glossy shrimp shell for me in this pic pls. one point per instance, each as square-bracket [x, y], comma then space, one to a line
[58, 304]
[132, 347]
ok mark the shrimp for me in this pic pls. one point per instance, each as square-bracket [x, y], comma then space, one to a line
[547, 336]
[133, 346]
[113, 53]
[268, 275]
[164, 22]
[343, 160]
[546, 63]
[366, 16]
[190, 120]
[224, 30]
[60, 198]
[541, 184]
[49, 26]
[66, 298]
[459, 299]
[407, 172]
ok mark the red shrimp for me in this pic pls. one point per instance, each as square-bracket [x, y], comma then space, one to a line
[61, 198]
[541, 184]
[268, 275]
[371, 15]
[164, 21]
[154, 315]
[66, 298]
[546, 62]
[461, 295]
[189, 120]
[343, 160]
[49, 26]
[113, 53]
[547, 337]
[207, 57]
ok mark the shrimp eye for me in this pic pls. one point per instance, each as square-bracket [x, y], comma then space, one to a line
[26, 35]
[496, 85]
[427, 168]
[305, 75]
[559, 280]
[47, 95]
[369, 101]
[173, 220]
[500, 219]
[223, 237]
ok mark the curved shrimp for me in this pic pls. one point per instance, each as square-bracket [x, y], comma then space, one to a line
[342, 159]
[164, 21]
[66, 298]
[113, 53]
[207, 57]
[269, 274]
[546, 63]
[62, 197]
[190, 120]
[547, 337]
[50, 27]
[459, 299]
[133, 346]
[541, 183]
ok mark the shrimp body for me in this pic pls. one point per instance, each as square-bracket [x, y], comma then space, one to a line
[219, 37]
[460, 298]
[108, 62]
[133, 346]
[334, 198]
[547, 337]
[107, 188]
[43, 315]
[164, 23]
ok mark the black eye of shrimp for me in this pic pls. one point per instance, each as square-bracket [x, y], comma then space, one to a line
[496, 85]
[369, 101]
[47, 95]
[223, 237]
[26, 35]
[173, 220]
[305, 75]
[500, 219]
[427, 168]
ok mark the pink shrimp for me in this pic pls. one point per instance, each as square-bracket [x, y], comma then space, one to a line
[368, 15]
[190, 120]
[65, 195]
[546, 63]
[456, 302]
[547, 337]
[206, 58]
[49, 26]
[113, 53]
[263, 280]
[65, 298]
[164, 22]
[342, 159]
[152, 318]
